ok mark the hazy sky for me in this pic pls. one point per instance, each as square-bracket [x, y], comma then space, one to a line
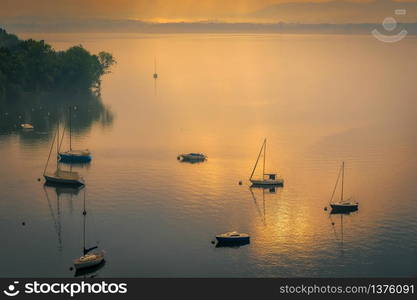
[157, 10]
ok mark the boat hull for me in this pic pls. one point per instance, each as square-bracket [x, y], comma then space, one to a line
[191, 158]
[89, 264]
[337, 208]
[90, 270]
[51, 179]
[74, 158]
[27, 126]
[233, 241]
[260, 183]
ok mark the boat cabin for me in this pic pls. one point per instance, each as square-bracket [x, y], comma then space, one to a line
[271, 176]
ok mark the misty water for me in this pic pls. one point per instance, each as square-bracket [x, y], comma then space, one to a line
[318, 99]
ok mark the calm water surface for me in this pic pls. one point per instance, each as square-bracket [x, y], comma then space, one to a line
[318, 99]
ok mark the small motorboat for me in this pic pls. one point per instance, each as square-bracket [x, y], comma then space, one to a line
[75, 156]
[89, 260]
[233, 238]
[344, 207]
[192, 157]
[267, 179]
[26, 126]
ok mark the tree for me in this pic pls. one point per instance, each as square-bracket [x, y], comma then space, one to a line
[34, 66]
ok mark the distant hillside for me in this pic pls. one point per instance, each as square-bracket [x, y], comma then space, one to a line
[132, 26]
[336, 12]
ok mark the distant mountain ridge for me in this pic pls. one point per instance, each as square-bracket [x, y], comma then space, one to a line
[131, 26]
[336, 11]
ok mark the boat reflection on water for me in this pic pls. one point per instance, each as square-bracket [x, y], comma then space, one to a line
[265, 189]
[56, 217]
[341, 237]
[45, 112]
[91, 272]
[64, 188]
[232, 245]
[60, 189]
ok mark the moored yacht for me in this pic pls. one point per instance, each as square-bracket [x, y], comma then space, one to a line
[71, 155]
[343, 205]
[192, 157]
[233, 237]
[67, 177]
[267, 179]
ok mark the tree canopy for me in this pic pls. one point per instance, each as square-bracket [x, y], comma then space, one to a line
[30, 66]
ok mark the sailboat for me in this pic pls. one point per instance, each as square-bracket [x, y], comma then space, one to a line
[71, 155]
[60, 176]
[267, 179]
[155, 75]
[342, 205]
[88, 260]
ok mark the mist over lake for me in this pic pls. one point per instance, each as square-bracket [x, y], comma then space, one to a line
[318, 99]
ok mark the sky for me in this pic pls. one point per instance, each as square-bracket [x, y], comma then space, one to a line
[195, 10]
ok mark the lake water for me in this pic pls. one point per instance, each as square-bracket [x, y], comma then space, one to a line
[318, 99]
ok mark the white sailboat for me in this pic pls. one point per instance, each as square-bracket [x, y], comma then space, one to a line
[267, 179]
[60, 176]
[88, 260]
[27, 126]
[343, 206]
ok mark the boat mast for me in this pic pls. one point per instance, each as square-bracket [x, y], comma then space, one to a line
[256, 163]
[70, 129]
[84, 217]
[335, 185]
[50, 152]
[263, 171]
[57, 147]
[343, 176]
[341, 224]
[263, 203]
